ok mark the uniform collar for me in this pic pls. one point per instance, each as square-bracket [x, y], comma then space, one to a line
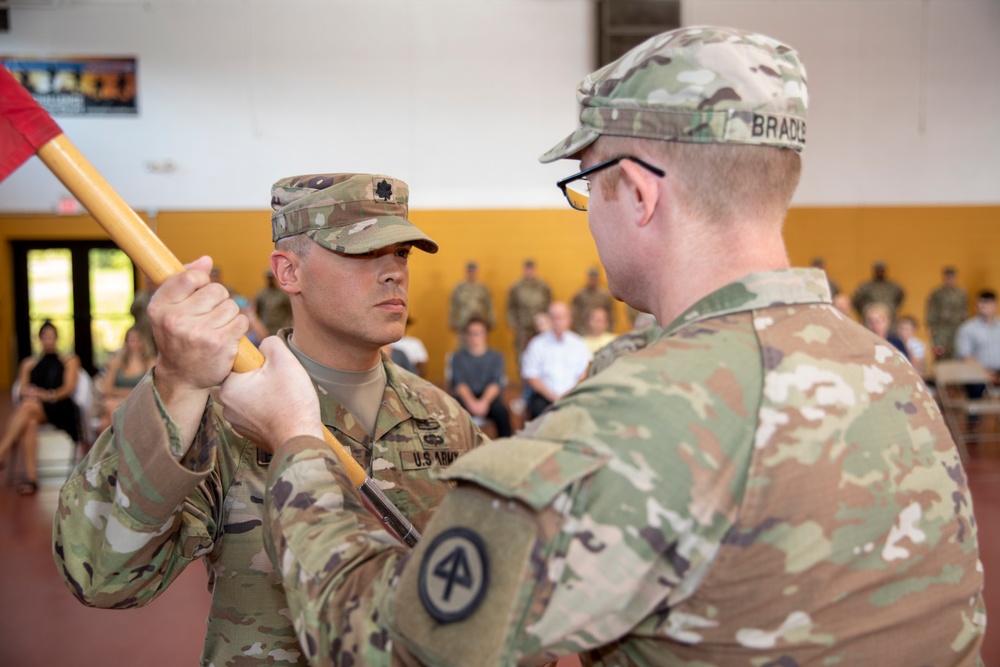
[756, 290]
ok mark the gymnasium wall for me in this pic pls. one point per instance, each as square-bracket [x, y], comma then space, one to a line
[915, 242]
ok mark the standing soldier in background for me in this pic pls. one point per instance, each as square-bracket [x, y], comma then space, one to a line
[947, 308]
[527, 297]
[766, 483]
[880, 289]
[469, 299]
[592, 295]
[274, 309]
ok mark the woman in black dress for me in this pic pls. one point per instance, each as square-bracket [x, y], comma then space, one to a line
[45, 390]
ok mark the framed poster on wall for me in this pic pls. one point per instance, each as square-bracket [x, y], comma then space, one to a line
[78, 86]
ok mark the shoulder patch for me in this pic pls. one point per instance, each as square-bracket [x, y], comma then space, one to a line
[454, 575]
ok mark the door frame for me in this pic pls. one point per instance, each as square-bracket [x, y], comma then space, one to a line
[83, 343]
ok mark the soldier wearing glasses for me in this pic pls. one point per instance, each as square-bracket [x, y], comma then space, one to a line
[765, 483]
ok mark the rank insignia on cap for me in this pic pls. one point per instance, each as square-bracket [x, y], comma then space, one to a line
[384, 190]
[454, 575]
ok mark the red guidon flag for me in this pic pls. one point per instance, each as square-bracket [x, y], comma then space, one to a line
[24, 126]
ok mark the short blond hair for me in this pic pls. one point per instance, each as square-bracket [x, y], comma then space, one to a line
[718, 183]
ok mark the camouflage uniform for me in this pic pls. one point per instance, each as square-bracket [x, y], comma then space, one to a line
[882, 291]
[767, 483]
[586, 300]
[947, 308]
[274, 309]
[527, 297]
[468, 299]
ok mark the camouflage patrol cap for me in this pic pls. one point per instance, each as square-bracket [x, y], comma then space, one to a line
[699, 85]
[348, 213]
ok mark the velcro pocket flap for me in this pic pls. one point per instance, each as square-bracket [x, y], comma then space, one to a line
[531, 471]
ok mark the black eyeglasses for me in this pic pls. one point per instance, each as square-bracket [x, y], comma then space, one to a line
[576, 188]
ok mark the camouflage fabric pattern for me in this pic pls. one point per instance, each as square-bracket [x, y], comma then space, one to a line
[947, 308]
[349, 213]
[878, 291]
[697, 85]
[130, 518]
[585, 301]
[526, 297]
[469, 299]
[767, 483]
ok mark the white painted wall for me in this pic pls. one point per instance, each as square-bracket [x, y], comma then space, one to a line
[459, 97]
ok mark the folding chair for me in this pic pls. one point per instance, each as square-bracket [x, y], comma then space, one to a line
[952, 377]
[83, 397]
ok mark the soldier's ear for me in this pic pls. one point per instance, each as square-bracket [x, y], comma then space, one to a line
[643, 190]
[285, 267]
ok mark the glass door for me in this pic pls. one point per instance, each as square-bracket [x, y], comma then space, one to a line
[85, 288]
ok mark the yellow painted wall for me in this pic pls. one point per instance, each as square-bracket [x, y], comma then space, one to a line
[915, 242]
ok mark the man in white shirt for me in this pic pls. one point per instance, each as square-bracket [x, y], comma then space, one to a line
[554, 361]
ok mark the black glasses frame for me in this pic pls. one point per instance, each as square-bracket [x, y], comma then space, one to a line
[597, 167]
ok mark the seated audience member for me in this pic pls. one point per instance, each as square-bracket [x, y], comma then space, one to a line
[478, 378]
[45, 389]
[595, 331]
[979, 339]
[398, 357]
[123, 373]
[257, 331]
[645, 329]
[554, 361]
[906, 329]
[414, 351]
[878, 319]
[842, 302]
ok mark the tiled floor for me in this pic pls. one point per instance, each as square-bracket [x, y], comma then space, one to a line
[41, 624]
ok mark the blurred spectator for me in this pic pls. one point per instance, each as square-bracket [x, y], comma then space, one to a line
[644, 331]
[554, 361]
[876, 319]
[528, 296]
[478, 378]
[398, 357]
[414, 351]
[45, 388]
[879, 289]
[123, 373]
[842, 302]
[947, 308]
[906, 329]
[272, 305]
[595, 333]
[469, 299]
[979, 337]
[592, 295]
[257, 331]
[140, 302]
